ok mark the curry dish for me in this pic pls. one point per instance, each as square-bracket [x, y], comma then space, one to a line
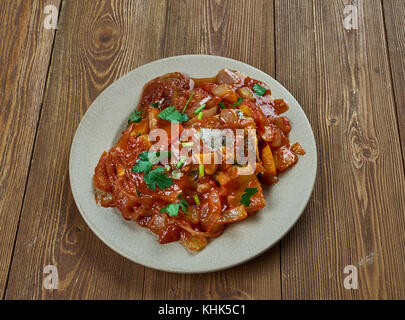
[189, 188]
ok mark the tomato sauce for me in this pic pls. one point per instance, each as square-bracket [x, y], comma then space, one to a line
[191, 202]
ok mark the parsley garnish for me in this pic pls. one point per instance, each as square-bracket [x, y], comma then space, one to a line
[173, 208]
[240, 100]
[259, 90]
[184, 205]
[221, 104]
[173, 115]
[249, 192]
[158, 177]
[148, 159]
[135, 117]
[155, 104]
[143, 164]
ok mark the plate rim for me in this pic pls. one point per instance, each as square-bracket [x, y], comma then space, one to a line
[215, 269]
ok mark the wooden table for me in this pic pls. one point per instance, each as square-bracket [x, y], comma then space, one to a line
[349, 82]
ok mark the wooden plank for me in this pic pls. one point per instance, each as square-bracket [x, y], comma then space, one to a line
[96, 43]
[356, 215]
[394, 17]
[25, 53]
[226, 28]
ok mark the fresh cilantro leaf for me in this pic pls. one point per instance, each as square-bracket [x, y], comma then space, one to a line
[184, 205]
[173, 115]
[155, 104]
[135, 117]
[221, 104]
[240, 100]
[172, 209]
[157, 177]
[148, 159]
[144, 156]
[142, 166]
[259, 90]
[249, 192]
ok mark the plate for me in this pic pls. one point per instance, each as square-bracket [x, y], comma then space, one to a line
[99, 131]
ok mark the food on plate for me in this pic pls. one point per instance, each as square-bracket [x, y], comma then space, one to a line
[195, 155]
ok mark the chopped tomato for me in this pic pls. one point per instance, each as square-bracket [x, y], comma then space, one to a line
[188, 199]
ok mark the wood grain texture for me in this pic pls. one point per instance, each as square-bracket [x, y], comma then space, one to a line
[349, 83]
[96, 43]
[226, 28]
[25, 53]
[394, 17]
[356, 214]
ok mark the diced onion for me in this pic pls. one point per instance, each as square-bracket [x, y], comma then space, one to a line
[246, 93]
[222, 90]
[176, 174]
[194, 242]
[232, 215]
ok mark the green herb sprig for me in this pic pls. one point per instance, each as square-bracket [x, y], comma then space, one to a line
[135, 117]
[249, 192]
[158, 178]
[155, 105]
[153, 178]
[173, 208]
[173, 115]
[237, 103]
[222, 105]
[259, 90]
[188, 101]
